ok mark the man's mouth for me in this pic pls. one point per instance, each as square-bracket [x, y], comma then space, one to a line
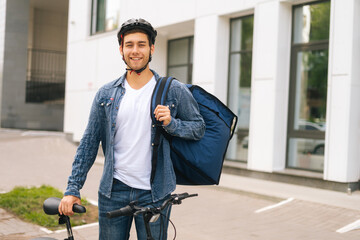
[135, 58]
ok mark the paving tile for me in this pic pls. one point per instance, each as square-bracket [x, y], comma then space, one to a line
[225, 212]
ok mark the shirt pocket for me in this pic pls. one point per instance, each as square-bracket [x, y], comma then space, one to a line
[105, 109]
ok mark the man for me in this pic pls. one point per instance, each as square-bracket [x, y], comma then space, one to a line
[120, 121]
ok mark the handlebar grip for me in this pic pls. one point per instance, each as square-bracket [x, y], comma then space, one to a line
[79, 208]
[125, 211]
[193, 195]
[51, 206]
[182, 196]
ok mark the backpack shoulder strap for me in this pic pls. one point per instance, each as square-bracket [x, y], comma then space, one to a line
[158, 97]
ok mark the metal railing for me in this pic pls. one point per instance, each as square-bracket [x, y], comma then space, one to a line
[45, 80]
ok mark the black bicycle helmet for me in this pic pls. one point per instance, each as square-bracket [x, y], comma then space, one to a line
[137, 24]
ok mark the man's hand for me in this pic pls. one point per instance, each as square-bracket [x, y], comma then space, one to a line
[162, 114]
[66, 205]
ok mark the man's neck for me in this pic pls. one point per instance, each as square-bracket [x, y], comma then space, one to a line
[137, 81]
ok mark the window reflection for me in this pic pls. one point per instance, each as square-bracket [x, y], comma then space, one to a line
[311, 88]
[311, 23]
[306, 153]
[106, 15]
[240, 84]
[112, 14]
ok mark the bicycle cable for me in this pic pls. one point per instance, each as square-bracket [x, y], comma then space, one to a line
[173, 225]
[162, 224]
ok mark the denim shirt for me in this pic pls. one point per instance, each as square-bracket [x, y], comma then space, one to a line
[186, 122]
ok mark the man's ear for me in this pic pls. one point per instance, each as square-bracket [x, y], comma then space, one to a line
[121, 51]
[152, 49]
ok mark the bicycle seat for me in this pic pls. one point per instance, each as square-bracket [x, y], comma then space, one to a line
[51, 206]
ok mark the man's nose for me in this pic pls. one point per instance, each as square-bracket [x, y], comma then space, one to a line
[135, 49]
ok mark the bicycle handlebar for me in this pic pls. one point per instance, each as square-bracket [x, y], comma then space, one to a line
[51, 206]
[125, 211]
[133, 209]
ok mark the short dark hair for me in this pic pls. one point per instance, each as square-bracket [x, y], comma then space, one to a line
[137, 25]
[136, 30]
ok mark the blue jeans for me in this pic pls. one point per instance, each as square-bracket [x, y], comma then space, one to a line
[119, 228]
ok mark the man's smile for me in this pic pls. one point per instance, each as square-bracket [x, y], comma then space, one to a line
[135, 58]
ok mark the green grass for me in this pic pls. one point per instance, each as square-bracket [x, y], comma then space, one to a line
[26, 203]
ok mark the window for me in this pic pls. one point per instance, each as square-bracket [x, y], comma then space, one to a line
[241, 41]
[105, 15]
[308, 86]
[180, 59]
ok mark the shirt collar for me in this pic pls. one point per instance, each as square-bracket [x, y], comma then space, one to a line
[121, 80]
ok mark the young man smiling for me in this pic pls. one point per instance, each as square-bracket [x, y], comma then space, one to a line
[120, 121]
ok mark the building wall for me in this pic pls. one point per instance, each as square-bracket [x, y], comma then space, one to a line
[2, 45]
[270, 86]
[18, 26]
[95, 60]
[48, 29]
[343, 111]
[14, 62]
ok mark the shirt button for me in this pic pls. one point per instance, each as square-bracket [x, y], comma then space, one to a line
[153, 125]
[152, 144]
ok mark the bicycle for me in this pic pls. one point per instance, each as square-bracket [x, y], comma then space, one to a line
[51, 206]
[150, 214]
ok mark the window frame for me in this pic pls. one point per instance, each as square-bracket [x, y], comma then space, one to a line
[190, 54]
[94, 19]
[295, 49]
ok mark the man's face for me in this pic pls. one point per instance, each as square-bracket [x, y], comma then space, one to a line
[136, 50]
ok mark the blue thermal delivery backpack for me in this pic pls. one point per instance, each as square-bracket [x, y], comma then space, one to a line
[196, 162]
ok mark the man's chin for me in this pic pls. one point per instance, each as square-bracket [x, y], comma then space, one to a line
[135, 68]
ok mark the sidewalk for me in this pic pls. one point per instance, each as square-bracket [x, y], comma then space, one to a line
[239, 208]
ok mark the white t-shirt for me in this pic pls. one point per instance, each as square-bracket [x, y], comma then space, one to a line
[132, 149]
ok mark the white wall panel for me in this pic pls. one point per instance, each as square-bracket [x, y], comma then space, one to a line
[261, 141]
[77, 108]
[269, 91]
[343, 117]
[81, 66]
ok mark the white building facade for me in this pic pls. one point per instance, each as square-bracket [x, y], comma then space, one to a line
[287, 68]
